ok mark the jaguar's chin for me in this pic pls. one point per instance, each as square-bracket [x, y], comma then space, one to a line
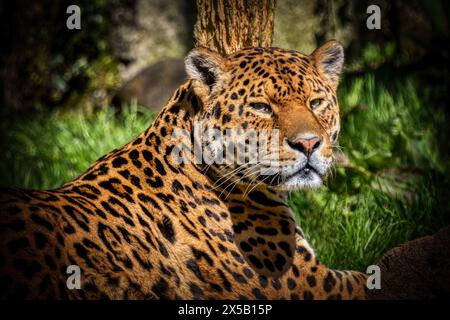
[304, 179]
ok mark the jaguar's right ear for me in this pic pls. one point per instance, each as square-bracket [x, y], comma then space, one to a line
[207, 68]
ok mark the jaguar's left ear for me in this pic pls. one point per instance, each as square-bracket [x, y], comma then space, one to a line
[329, 60]
[206, 67]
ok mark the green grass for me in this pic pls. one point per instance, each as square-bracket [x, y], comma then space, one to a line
[392, 190]
[48, 150]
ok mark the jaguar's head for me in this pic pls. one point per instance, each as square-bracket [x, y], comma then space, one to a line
[268, 115]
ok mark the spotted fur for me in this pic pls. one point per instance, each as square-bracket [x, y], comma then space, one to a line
[142, 226]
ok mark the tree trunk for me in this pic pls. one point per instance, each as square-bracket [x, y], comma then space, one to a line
[228, 26]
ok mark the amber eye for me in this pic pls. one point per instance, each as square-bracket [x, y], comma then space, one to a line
[314, 103]
[261, 107]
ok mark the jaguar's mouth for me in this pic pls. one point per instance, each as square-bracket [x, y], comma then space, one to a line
[306, 176]
[305, 171]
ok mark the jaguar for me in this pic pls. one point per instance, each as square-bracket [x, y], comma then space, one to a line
[153, 220]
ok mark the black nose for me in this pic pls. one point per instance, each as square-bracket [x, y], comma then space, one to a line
[307, 145]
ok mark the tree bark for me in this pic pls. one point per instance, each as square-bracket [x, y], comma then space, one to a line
[228, 26]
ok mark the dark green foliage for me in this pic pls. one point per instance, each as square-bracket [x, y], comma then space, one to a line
[43, 63]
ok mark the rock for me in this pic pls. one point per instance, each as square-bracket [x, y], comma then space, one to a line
[154, 85]
[418, 269]
[145, 32]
